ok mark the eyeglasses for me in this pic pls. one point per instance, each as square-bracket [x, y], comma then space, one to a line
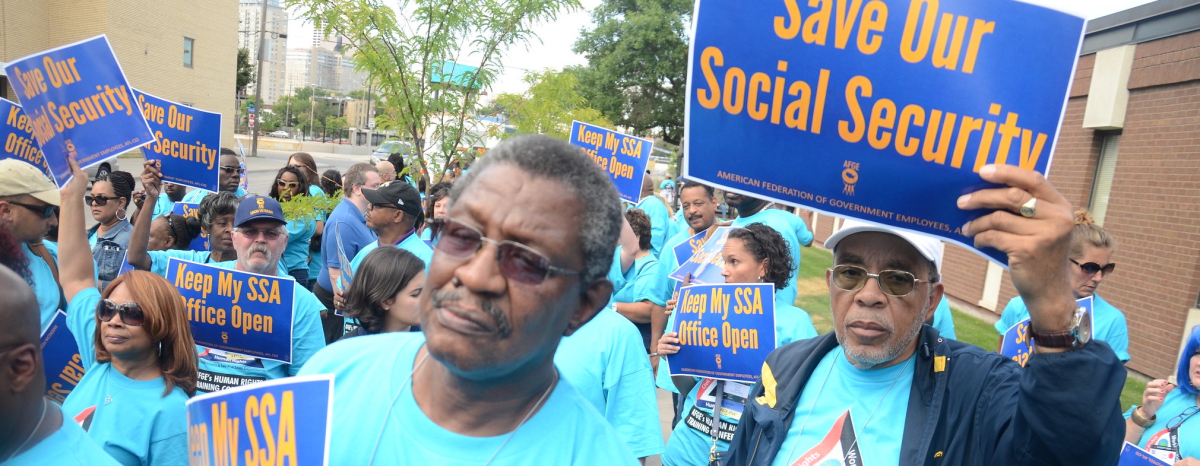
[238, 170]
[383, 206]
[270, 234]
[131, 313]
[288, 184]
[517, 261]
[896, 283]
[1091, 268]
[99, 200]
[1177, 421]
[46, 211]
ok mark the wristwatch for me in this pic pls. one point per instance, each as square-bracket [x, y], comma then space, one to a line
[1078, 335]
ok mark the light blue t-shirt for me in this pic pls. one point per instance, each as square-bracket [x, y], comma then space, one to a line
[643, 283]
[140, 426]
[1189, 431]
[943, 320]
[196, 195]
[668, 262]
[45, 287]
[662, 226]
[877, 400]
[371, 371]
[793, 229]
[67, 446]
[1108, 322]
[164, 205]
[688, 446]
[300, 232]
[159, 259]
[411, 243]
[315, 263]
[220, 370]
[606, 362]
[666, 184]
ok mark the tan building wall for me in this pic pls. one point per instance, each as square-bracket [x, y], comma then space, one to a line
[148, 39]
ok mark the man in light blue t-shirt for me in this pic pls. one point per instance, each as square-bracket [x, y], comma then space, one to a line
[37, 432]
[27, 202]
[521, 263]
[662, 226]
[394, 215]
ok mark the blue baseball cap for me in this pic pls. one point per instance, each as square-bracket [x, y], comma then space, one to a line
[258, 208]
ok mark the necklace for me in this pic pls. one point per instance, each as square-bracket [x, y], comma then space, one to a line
[408, 381]
[109, 398]
[31, 433]
[873, 410]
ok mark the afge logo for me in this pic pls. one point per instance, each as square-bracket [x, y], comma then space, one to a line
[849, 177]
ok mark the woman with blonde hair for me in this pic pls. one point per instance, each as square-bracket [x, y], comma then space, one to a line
[136, 347]
[1091, 262]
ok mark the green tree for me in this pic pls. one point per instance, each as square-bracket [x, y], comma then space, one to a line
[637, 64]
[406, 52]
[245, 71]
[549, 106]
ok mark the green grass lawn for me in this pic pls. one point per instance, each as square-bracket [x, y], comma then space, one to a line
[813, 296]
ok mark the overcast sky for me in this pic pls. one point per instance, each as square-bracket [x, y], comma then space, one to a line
[554, 51]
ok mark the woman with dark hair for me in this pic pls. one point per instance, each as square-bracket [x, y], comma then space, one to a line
[215, 214]
[291, 183]
[172, 231]
[1175, 432]
[110, 200]
[755, 253]
[383, 295]
[136, 346]
[331, 182]
[304, 161]
[641, 299]
[436, 206]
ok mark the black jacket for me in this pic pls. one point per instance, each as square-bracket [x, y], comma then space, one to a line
[967, 406]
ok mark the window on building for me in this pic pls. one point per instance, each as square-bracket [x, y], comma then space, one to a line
[188, 43]
[1102, 184]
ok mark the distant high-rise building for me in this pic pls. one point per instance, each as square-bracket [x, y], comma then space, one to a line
[274, 70]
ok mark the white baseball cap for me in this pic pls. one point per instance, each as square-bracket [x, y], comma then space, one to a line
[928, 246]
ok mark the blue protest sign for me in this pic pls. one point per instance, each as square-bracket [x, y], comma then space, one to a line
[187, 141]
[706, 265]
[283, 421]
[623, 157]
[125, 267]
[1131, 455]
[192, 210]
[60, 359]
[689, 247]
[1018, 344]
[725, 331]
[16, 135]
[235, 311]
[79, 103]
[891, 108]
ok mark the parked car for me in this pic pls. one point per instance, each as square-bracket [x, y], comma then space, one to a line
[279, 134]
[388, 147]
[102, 169]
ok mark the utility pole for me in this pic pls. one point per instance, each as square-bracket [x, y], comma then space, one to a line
[258, 84]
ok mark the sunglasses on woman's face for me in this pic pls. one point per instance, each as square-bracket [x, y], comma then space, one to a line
[100, 200]
[288, 184]
[1091, 268]
[131, 313]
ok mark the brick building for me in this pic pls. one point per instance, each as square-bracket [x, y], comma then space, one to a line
[181, 50]
[1129, 152]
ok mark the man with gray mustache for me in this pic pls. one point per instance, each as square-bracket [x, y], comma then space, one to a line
[259, 237]
[520, 261]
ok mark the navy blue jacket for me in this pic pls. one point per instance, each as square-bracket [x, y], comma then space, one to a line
[967, 406]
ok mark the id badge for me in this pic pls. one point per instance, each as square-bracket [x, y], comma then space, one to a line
[1164, 445]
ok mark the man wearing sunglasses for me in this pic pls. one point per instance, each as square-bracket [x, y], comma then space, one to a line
[228, 177]
[27, 203]
[520, 262]
[893, 391]
[260, 236]
[1091, 262]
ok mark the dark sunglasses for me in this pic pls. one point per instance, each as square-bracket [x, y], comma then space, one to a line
[46, 211]
[517, 261]
[100, 201]
[238, 170]
[896, 283]
[288, 184]
[131, 313]
[1091, 268]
